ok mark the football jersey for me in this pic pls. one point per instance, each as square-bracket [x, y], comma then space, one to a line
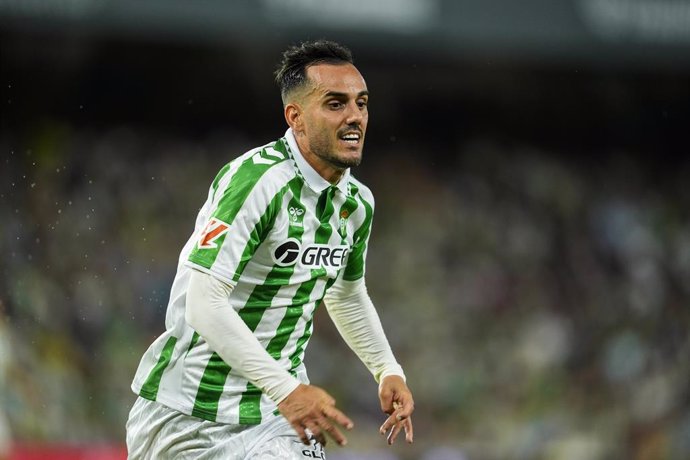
[281, 235]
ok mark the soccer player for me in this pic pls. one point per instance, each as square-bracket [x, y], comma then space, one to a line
[284, 227]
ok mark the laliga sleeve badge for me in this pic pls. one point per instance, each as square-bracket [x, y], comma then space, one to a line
[213, 230]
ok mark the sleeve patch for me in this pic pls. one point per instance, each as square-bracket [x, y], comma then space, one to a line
[214, 229]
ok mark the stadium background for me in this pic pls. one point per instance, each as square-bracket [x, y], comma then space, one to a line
[531, 251]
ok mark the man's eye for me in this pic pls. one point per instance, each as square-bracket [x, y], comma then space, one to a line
[362, 104]
[335, 105]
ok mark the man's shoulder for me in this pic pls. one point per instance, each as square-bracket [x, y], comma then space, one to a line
[268, 154]
[271, 158]
[267, 168]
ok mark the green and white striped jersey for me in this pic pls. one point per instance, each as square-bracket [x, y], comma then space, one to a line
[282, 235]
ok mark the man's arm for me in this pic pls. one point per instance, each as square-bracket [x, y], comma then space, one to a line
[349, 305]
[211, 315]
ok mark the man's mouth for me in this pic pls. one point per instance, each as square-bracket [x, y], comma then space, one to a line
[351, 137]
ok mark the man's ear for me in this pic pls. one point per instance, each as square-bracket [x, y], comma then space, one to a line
[293, 116]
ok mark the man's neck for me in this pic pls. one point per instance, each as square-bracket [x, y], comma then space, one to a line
[326, 170]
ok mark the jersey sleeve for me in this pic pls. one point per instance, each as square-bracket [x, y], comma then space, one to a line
[356, 261]
[242, 207]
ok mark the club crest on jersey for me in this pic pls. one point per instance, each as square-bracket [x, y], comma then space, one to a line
[214, 229]
[342, 223]
[296, 215]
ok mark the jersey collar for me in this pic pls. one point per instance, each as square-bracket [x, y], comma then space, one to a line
[313, 179]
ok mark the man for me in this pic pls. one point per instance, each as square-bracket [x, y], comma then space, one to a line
[284, 227]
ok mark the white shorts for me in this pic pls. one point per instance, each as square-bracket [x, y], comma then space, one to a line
[155, 431]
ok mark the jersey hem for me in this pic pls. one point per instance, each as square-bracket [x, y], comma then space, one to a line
[198, 413]
[162, 398]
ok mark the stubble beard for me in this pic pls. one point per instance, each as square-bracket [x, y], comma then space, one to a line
[328, 153]
[340, 163]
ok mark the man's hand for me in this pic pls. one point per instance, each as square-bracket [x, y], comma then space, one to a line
[396, 401]
[310, 407]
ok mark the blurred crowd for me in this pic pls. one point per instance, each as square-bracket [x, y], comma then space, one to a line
[539, 302]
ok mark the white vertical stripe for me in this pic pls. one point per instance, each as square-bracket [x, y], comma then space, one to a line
[229, 404]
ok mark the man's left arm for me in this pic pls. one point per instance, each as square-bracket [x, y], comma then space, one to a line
[349, 305]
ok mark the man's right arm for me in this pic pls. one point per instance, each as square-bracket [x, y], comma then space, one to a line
[211, 315]
[209, 312]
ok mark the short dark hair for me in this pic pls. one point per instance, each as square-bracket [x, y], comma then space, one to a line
[292, 70]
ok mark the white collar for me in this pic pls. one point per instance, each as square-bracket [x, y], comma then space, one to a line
[313, 178]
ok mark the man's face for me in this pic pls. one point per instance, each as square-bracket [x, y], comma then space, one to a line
[334, 115]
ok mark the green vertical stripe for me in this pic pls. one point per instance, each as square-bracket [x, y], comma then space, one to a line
[250, 405]
[249, 410]
[195, 338]
[210, 388]
[301, 297]
[150, 388]
[355, 263]
[296, 357]
[251, 316]
[324, 212]
[285, 329]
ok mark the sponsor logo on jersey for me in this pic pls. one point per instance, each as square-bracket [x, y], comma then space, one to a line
[296, 214]
[287, 253]
[313, 255]
[214, 229]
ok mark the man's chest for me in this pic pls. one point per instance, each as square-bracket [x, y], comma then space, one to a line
[310, 235]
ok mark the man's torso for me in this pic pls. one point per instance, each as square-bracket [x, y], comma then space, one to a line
[267, 229]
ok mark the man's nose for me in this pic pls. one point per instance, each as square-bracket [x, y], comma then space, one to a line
[353, 114]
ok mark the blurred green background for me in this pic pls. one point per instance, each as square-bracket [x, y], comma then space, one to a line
[530, 258]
